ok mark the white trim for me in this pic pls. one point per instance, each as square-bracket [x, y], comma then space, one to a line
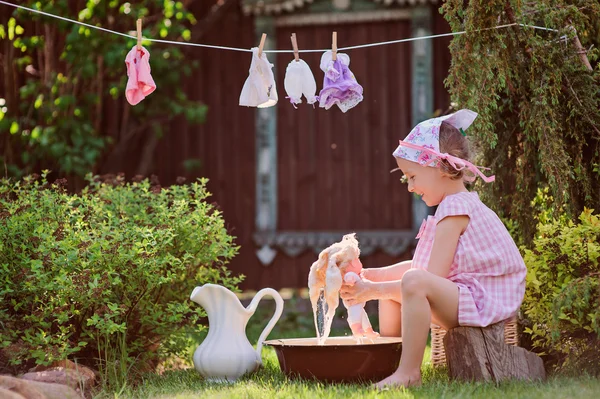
[421, 87]
[273, 8]
[287, 6]
[342, 18]
[405, 2]
[265, 125]
[293, 243]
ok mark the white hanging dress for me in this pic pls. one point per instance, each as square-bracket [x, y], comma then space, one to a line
[299, 80]
[259, 89]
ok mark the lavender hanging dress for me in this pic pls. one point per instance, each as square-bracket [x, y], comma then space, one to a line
[339, 85]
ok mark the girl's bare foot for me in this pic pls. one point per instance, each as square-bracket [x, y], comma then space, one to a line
[370, 333]
[400, 379]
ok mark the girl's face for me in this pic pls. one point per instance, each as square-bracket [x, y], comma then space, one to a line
[430, 183]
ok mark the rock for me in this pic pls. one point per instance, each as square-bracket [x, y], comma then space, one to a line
[6, 394]
[66, 363]
[20, 387]
[59, 375]
[37, 390]
[64, 372]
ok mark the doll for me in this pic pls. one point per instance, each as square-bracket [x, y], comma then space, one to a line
[357, 317]
[339, 262]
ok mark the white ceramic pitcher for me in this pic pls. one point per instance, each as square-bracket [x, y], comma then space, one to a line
[226, 354]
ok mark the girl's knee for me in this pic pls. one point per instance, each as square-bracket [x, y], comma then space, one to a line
[413, 282]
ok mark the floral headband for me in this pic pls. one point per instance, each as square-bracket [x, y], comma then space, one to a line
[422, 145]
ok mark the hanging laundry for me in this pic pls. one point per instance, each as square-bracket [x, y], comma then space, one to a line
[339, 85]
[259, 89]
[140, 83]
[299, 80]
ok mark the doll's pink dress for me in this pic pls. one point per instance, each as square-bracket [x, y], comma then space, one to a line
[139, 80]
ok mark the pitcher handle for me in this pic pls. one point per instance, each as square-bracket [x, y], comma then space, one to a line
[278, 310]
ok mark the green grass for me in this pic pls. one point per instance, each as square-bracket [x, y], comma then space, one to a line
[269, 382]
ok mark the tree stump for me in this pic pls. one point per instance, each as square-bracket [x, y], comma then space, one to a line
[480, 354]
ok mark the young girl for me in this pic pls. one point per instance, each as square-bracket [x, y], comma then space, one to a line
[466, 270]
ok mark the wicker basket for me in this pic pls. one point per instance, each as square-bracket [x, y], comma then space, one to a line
[438, 354]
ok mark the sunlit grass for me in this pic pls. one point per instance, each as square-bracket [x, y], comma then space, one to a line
[269, 382]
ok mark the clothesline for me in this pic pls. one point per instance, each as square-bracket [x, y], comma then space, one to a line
[410, 39]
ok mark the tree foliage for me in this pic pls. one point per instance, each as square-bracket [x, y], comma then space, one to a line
[538, 104]
[64, 108]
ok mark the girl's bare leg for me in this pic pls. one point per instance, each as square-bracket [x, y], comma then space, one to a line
[390, 318]
[387, 273]
[423, 294]
[390, 311]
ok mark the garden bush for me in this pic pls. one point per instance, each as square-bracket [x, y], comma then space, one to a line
[562, 299]
[105, 275]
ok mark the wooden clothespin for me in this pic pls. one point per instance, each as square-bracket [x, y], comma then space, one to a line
[334, 46]
[295, 46]
[262, 44]
[139, 33]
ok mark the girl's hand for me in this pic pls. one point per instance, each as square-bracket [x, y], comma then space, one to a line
[371, 274]
[354, 266]
[362, 291]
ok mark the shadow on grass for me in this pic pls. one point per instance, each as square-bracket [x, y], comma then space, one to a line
[270, 382]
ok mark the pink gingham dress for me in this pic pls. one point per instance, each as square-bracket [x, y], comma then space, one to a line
[487, 267]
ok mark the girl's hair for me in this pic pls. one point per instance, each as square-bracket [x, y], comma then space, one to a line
[453, 143]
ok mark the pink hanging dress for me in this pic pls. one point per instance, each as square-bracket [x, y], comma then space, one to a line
[140, 83]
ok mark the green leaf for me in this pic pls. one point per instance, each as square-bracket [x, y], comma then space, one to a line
[38, 101]
[14, 128]
[11, 29]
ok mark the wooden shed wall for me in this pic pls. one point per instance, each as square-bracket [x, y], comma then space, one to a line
[333, 168]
